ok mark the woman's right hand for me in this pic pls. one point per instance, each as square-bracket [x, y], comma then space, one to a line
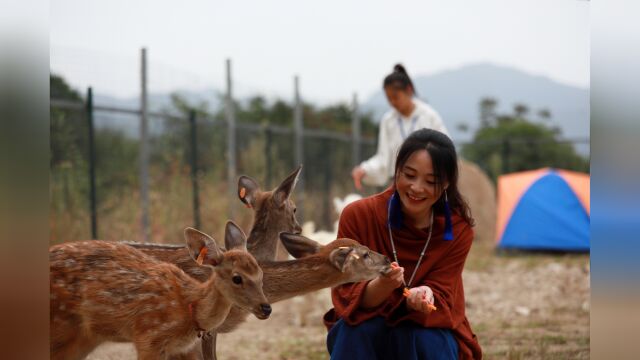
[357, 174]
[379, 289]
[394, 278]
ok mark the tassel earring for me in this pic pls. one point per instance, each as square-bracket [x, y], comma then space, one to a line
[448, 227]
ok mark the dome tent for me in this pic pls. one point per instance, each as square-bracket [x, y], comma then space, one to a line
[545, 209]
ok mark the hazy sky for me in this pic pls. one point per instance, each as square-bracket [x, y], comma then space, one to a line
[336, 47]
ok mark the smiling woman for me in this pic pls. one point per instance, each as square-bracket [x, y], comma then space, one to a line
[425, 225]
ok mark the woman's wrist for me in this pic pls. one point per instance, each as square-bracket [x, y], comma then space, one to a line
[376, 292]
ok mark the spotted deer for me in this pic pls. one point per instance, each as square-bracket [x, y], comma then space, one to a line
[104, 291]
[316, 267]
[319, 266]
[274, 212]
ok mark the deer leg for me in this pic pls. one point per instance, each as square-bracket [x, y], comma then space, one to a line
[209, 346]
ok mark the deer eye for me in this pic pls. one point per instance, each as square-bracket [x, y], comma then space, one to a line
[366, 255]
[294, 210]
[237, 279]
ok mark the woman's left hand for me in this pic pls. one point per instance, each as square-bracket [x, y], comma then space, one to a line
[420, 298]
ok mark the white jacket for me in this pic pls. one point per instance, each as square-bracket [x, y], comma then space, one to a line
[379, 168]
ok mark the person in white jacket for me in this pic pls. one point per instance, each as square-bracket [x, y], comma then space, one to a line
[407, 115]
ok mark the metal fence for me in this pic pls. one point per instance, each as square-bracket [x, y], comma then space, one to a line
[180, 169]
[264, 151]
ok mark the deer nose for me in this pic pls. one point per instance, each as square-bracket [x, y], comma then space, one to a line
[387, 260]
[266, 309]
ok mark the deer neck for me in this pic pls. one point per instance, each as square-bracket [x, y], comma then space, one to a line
[262, 242]
[286, 279]
[210, 306]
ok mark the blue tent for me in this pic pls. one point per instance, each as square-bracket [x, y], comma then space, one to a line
[544, 209]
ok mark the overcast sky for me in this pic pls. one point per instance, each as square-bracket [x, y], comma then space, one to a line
[336, 47]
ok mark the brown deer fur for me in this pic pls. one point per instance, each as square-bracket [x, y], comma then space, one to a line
[274, 212]
[102, 291]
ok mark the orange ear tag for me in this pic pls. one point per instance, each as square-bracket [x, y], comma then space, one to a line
[243, 192]
[203, 253]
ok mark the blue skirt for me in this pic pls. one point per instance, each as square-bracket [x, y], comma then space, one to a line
[373, 339]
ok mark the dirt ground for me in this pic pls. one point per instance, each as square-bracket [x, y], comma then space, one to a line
[526, 306]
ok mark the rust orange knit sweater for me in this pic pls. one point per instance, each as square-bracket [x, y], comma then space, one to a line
[441, 270]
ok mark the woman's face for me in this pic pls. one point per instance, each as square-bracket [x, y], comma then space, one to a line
[401, 100]
[417, 186]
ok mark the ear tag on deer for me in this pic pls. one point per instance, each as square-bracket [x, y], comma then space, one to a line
[243, 193]
[203, 253]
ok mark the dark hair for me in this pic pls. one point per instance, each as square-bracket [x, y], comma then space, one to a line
[399, 79]
[445, 167]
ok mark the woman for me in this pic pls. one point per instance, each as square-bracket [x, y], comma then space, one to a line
[422, 212]
[407, 114]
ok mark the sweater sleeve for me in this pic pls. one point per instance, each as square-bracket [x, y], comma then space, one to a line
[444, 282]
[377, 167]
[347, 298]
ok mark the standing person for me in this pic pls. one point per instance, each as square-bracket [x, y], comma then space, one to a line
[423, 224]
[407, 114]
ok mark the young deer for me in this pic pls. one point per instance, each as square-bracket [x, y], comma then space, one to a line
[316, 267]
[103, 291]
[319, 266]
[274, 212]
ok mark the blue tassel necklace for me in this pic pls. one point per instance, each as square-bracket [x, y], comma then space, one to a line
[448, 227]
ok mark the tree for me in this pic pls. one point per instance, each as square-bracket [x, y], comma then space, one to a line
[514, 143]
[487, 111]
[520, 110]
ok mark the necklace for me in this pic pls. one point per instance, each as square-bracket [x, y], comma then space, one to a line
[395, 255]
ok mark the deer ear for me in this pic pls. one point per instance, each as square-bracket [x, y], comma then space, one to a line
[342, 257]
[284, 190]
[299, 246]
[202, 248]
[248, 190]
[234, 237]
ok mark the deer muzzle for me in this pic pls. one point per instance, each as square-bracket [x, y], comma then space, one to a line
[264, 312]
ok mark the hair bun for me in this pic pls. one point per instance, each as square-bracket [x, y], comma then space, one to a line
[399, 68]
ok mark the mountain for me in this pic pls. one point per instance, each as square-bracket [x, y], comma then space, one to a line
[456, 95]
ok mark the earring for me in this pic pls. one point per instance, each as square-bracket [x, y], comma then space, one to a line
[448, 226]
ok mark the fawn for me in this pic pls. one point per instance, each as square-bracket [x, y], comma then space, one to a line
[103, 291]
[319, 266]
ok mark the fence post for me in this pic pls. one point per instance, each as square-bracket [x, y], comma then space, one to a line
[92, 167]
[355, 132]
[194, 168]
[267, 154]
[231, 143]
[299, 149]
[144, 147]
[328, 175]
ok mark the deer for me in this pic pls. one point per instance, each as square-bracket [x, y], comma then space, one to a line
[274, 212]
[108, 291]
[316, 266]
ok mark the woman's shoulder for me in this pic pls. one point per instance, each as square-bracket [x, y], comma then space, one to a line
[462, 229]
[423, 107]
[389, 116]
[366, 206]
